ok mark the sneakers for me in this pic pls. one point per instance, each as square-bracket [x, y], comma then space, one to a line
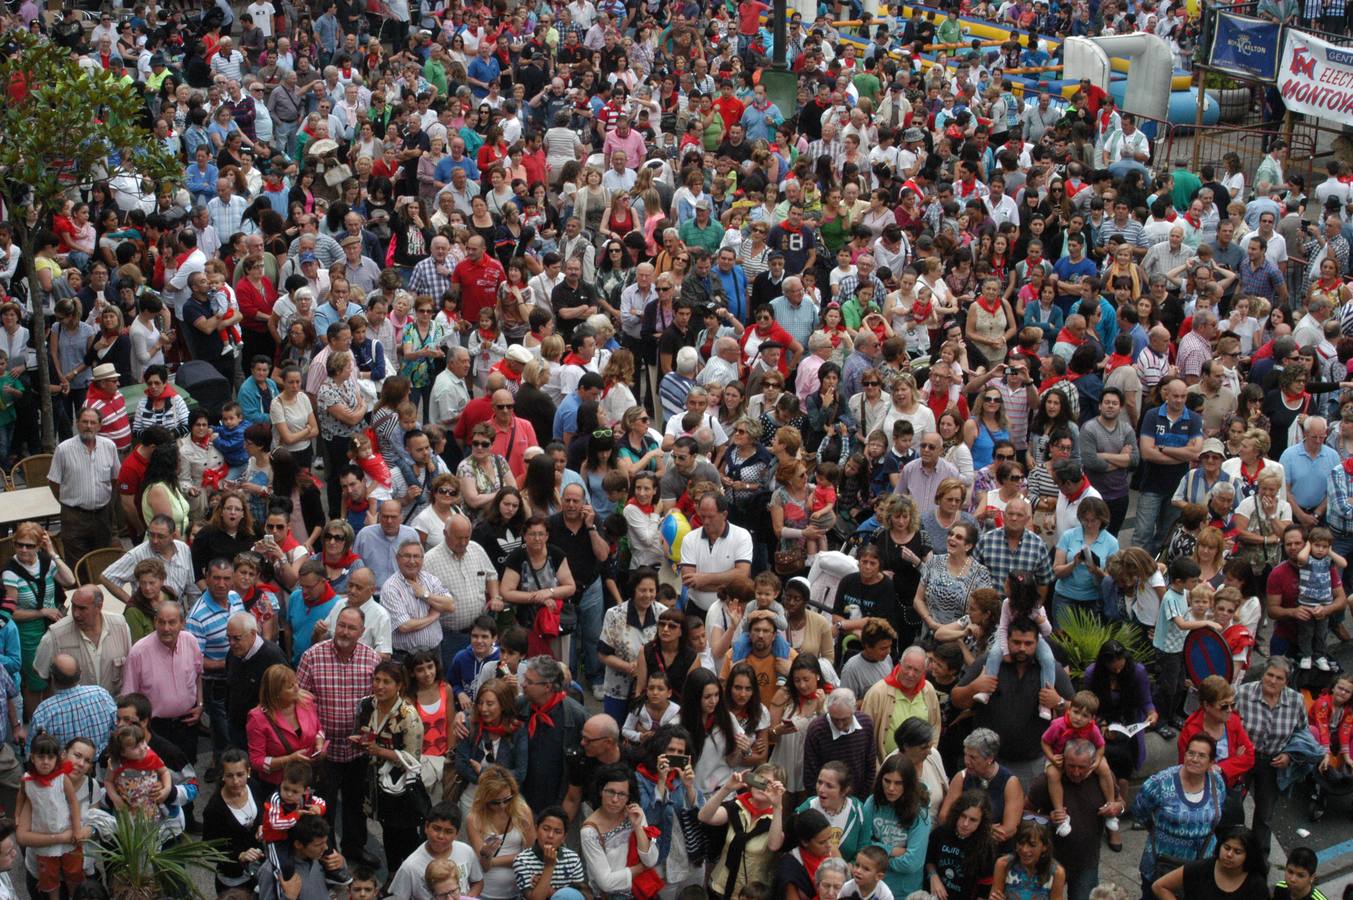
[1323, 664]
[1065, 828]
[982, 697]
[599, 692]
[1045, 713]
[1111, 823]
[1305, 664]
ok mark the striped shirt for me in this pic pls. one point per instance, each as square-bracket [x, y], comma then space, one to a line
[338, 685]
[207, 623]
[398, 599]
[1131, 231]
[179, 576]
[85, 477]
[568, 870]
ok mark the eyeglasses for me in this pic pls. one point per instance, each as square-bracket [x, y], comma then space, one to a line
[484, 445]
[669, 624]
[335, 537]
[1226, 704]
[614, 794]
[991, 399]
[503, 801]
[1013, 479]
[603, 433]
[504, 406]
[1004, 457]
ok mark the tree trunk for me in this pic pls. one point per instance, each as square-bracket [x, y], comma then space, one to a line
[38, 332]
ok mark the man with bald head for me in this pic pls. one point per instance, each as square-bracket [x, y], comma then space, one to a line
[922, 476]
[376, 544]
[99, 641]
[468, 573]
[476, 279]
[432, 276]
[1013, 547]
[905, 694]
[1307, 467]
[512, 434]
[601, 747]
[250, 656]
[361, 596]
[75, 710]
[1153, 363]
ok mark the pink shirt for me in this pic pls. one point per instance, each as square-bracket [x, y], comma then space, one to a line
[1061, 732]
[265, 742]
[168, 677]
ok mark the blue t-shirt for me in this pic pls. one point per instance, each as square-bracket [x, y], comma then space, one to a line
[1080, 584]
[1156, 424]
[302, 619]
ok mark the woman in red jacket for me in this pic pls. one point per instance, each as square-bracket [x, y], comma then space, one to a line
[1332, 724]
[1218, 719]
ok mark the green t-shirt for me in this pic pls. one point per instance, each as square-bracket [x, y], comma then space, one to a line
[868, 85]
[7, 400]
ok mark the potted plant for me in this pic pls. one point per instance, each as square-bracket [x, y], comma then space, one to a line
[139, 864]
[1081, 632]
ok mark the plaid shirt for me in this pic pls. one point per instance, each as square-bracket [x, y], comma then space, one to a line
[993, 551]
[1270, 727]
[427, 280]
[466, 578]
[1339, 512]
[1262, 282]
[85, 710]
[338, 686]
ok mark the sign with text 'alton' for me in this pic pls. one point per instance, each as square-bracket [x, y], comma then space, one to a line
[1245, 47]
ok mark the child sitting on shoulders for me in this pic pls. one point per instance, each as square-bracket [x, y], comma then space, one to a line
[373, 466]
[1077, 723]
[1023, 600]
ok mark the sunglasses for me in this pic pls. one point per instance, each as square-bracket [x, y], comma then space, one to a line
[335, 537]
[447, 492]
[25, 546]
[602, 433]
[504, 406]
[871, 383]
[1004, 457]
[484, 445]
[506, 801]
[991, 399]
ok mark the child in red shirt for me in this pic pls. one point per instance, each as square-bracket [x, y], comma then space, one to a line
[1078, 723]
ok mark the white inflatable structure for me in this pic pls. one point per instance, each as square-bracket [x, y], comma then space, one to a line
[1150, 72]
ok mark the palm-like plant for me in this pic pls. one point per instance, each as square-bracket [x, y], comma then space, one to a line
[139, 865]
[1081, 632]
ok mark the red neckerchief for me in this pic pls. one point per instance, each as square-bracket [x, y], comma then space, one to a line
[893, 681]
[1080, 489]
[166, 396]
[348, 559]
[1330, 285]
[259, 592]
[810, 862]
[502, 367]
[1301, 396]
[1105, 117]
[646, 510]
[541, 714]
[673, 776]
[63, 768]
[1196, 223]
[499, 730]
[709, 723]
[756, 812]
[573, 359]
[1348, 466]
[785, 226]
[488, 334]
[1117, 360]
[1251, 479]
[148, 763]
[324, 598]
[966, 188]
[993, 309]
[1066, 337]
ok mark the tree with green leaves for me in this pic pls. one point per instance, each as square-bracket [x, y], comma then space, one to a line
[62, 128]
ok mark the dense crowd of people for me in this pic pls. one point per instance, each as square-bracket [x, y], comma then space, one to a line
[518, 428]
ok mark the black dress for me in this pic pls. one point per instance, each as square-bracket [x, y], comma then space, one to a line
[906, 578]
[1200, 883]
[213, 543]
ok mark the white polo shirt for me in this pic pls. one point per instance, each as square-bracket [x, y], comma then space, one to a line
[726, 551]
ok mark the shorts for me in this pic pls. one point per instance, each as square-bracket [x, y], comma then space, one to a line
[51, 870]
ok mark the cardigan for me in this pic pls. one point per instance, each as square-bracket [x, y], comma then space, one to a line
[878, 705]
[219, 823]
[1240, 749]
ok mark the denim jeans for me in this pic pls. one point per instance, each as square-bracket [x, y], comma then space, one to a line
[1079, 882]
[591, 610]
[1155, 515]
[1047, 663]
[214, 692]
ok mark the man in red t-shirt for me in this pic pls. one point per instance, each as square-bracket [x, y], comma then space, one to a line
[730, 107]
[475, 281]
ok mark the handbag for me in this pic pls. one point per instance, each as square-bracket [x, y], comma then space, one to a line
[695, 834]
[790, 562]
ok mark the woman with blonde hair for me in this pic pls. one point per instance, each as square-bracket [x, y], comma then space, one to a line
[1246, 466]
[1210, 553]
[499, 826]
[284, 727]
[1140, 584]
